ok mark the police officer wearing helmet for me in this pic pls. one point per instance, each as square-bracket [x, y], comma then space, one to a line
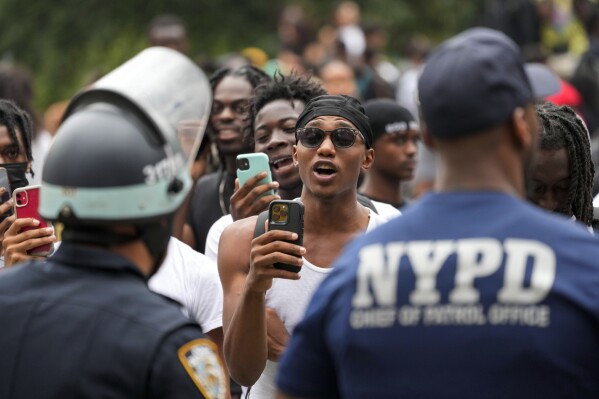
[84, 323]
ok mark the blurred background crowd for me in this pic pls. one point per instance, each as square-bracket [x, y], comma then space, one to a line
[367, 49]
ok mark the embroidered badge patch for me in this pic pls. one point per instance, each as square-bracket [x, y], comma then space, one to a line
[200, 359]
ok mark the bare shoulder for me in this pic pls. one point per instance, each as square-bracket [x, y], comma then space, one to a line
[235, 245]
[242, 228]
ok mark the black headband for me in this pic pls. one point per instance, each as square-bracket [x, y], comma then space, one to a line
[344, 106]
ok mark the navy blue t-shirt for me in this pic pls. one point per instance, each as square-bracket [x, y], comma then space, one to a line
[467, 295]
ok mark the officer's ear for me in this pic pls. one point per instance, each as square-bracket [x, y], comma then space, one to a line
[426, 138]
[524, 127]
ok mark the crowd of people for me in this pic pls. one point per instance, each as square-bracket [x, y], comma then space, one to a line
[166, 279]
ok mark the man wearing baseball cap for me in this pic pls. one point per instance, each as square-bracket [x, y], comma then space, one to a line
[472, 292]
[395, 142]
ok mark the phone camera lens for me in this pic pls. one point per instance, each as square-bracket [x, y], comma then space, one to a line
[243, 164]
[19, 202]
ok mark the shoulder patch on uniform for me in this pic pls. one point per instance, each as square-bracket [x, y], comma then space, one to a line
[200, 359]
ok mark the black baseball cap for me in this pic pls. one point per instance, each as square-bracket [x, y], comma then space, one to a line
[387, 116]
[473, 82]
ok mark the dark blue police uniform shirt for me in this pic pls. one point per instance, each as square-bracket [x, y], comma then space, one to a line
[85, 325]
[467, 295]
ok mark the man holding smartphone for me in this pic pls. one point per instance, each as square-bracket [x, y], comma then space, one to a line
[333, 146]
[15, 155]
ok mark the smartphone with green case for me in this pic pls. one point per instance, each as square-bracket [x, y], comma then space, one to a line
[249, 165]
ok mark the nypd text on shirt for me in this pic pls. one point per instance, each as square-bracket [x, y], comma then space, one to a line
[526, 279]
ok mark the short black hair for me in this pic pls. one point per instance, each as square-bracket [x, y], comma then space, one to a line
[562, 128]
[291, 87]
[13, 118]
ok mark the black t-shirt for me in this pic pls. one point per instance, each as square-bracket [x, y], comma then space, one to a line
[210, 201]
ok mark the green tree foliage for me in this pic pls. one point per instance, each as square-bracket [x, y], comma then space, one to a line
[66, 42]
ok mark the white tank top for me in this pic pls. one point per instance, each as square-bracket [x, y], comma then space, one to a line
[290, 298]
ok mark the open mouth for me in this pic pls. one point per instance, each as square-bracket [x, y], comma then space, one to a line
[281, 162]
[325, 169]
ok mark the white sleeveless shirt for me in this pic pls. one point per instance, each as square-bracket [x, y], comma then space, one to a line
[289, 299]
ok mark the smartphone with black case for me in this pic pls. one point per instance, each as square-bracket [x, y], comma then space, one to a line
[249, 165]
[287, 216]
[5, 182]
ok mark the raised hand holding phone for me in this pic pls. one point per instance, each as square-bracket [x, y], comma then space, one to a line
[254, 188]
[279, 251]
[26, 204]
[18, 242]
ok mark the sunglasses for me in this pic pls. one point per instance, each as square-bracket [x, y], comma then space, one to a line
[312, 137]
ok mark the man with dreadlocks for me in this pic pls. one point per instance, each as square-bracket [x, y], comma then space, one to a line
[16, 128]
[562, 175]
[16, 84]
[232, 91]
